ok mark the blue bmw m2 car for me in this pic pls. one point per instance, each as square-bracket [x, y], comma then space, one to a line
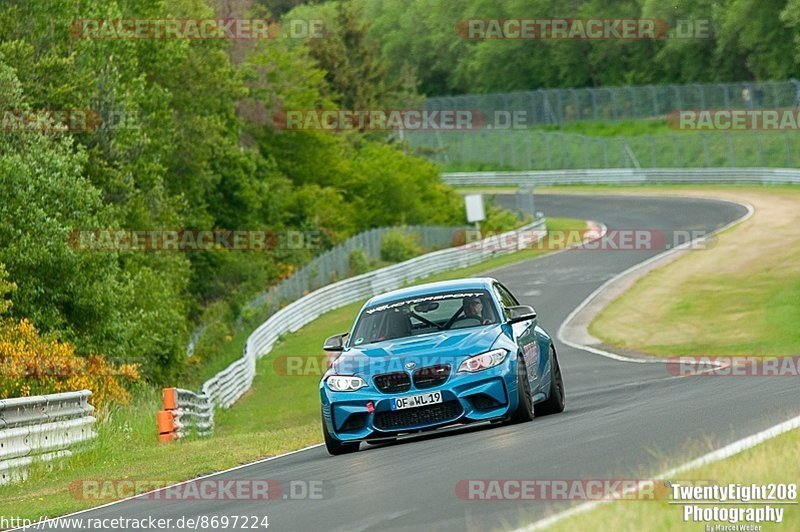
[433, 355]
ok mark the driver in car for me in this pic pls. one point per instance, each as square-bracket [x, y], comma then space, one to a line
[473, 308]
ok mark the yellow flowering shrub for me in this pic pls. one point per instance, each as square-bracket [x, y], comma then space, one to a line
[31, 364]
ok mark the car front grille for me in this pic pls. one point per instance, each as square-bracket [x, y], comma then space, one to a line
[431, 376]
[393, 382]
[423, 415]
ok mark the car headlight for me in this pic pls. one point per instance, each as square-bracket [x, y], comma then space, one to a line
[345, 383]
[483, 361]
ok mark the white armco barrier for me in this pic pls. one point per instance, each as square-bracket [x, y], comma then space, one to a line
[231, 383]
[628, 176]
[42, 428]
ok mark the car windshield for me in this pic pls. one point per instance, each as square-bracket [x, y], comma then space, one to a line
[423, 315]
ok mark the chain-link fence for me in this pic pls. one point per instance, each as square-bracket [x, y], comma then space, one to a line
[336, 264]
[542, 150]
[331, 266]
[535, 147]
[560, 106]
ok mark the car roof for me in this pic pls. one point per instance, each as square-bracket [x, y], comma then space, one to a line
[471, 283]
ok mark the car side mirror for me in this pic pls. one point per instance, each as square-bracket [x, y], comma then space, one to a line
[335, 342]
[520, 313]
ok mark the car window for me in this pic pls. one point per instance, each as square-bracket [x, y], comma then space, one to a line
[505, 298]
[424, 314]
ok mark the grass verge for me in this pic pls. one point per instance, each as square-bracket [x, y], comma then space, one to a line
[740, 298]
[279, 414]
[772, 462]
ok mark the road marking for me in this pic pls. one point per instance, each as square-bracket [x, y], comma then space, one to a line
[257, 461]
[112, 503]
[548, 521]
[714, 456]
[635, 267]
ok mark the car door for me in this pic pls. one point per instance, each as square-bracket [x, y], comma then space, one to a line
[524, 334]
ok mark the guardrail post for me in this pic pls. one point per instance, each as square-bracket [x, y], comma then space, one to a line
[165, 419]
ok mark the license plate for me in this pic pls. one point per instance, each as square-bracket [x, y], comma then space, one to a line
[412, 401]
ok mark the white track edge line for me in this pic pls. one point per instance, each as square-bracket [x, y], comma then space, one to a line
[714, 456]
[38, 524]
[635, 267]
[106, 505]
[603, 232]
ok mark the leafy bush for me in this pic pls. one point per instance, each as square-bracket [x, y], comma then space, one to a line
[398, 246]
[499, 220]
[358, 262]
[33, 364]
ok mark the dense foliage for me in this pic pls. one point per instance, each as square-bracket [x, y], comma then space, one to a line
[198, 150]
[747, 40]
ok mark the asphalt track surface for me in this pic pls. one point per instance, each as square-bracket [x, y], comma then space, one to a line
[623, 420]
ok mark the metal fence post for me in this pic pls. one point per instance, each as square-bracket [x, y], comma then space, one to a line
[652, 143]
[528, 140]
[547, 151]
[731, 151]
[587, 163]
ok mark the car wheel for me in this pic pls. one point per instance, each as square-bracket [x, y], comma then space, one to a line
[524, 411]
[334, 446]
[557, 399]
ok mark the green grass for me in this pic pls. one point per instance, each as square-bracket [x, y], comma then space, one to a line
[279, 414]
[623, 128]
[772, 462]
[740, 298]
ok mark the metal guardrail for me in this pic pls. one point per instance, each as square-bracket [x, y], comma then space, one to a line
[334, 264]
[227, 386]
[331, 266]
[42, 428]
[628, 176]
[185, 412]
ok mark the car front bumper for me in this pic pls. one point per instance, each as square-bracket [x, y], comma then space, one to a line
[466, 397]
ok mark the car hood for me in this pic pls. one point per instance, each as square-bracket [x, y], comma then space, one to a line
[425, 350]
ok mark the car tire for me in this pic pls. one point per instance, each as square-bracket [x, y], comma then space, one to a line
[336, 447]
[557, 398]
[524, 411]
